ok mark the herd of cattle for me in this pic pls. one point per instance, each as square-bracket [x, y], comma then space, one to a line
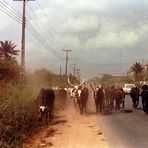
[108, 98]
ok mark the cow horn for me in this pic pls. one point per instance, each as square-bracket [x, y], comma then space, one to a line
[75, 86]
[82, 82]
[71, 83]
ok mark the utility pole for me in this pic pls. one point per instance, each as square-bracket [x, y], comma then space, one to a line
[120, 63]
[66, 50]
[60, 73]
[78, 73]
[74, 70]
[22, 68]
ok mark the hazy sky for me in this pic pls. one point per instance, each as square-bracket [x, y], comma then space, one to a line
[101, 34]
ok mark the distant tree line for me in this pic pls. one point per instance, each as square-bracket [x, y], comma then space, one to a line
[10, 69]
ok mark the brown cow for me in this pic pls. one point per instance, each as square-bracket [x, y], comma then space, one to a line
[119, 95]
[45, 101]
[81, 95]
[100, 98]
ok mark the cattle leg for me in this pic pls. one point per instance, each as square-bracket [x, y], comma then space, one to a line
[51, 112]
[112, 104]
[96, 103]
[81, 109]
[117, 104]
[46, 116]
[80, 106]
[123, 103]
[137, 102]
[85, 106]
[75, 104]
[100, 107]
[143, 103]
[133, 100]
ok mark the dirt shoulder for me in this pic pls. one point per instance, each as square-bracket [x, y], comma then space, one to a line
[70, 130]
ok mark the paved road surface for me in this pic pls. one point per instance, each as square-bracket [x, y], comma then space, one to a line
[126, 130]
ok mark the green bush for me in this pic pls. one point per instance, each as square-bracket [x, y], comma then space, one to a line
[18, 115]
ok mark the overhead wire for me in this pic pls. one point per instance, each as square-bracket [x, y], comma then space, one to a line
[42, 28]
[33, 31]
[46, 33]
[14, 10]
[56, 35]
[38, 34]
[14, 14]
[10, 13]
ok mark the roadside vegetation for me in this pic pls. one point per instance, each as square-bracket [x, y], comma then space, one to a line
[18, 109]
[136, 74]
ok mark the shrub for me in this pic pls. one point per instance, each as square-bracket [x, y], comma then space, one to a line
[18, 115]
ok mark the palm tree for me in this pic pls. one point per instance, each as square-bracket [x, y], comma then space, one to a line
[7, 50]
[137, 69]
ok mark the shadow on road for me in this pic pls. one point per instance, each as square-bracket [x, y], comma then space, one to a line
[107, 113]
[139, 108]
[59, 116]
[127, 111]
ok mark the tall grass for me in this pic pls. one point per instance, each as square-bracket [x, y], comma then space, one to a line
[18, 115]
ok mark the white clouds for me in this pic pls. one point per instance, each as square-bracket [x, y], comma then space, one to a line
[118, 40]
[79, 4]
[85, 25]
[118, 37]
[82, 27]
[82, 24]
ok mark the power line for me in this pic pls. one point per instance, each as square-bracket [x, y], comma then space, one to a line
[42, 29]
[12, 9]
[9, 12]
[16, 15]
[53, 30]
[45, 31]
[30, 28]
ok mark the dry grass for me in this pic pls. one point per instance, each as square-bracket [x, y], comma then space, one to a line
[18, 113]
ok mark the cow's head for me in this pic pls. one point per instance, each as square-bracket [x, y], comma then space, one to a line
[76, 87]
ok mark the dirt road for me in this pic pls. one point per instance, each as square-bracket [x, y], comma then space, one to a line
[70, 130]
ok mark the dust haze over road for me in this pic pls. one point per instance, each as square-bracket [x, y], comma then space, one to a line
[70, 130]
[116, 130]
